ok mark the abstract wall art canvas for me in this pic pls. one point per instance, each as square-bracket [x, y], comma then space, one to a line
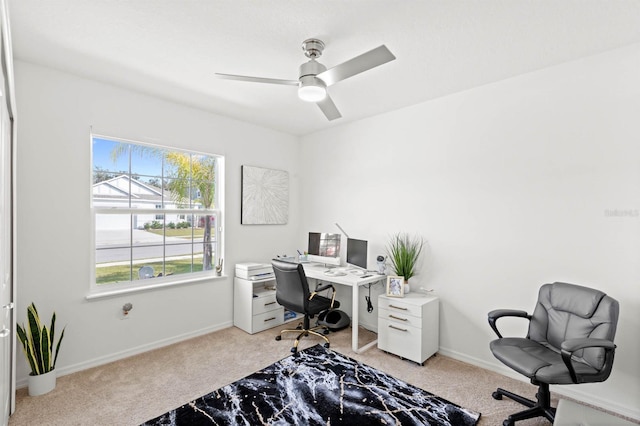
[265, 196]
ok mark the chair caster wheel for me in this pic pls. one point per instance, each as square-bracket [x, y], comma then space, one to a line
[278, 338]
[508, 423]
[326, 332]
[294, 350]
[326, 345]
[497, 395]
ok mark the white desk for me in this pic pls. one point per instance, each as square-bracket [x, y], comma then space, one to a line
[317, 271]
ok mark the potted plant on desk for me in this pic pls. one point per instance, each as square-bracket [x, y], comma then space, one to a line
[403, 251]
[38, 346]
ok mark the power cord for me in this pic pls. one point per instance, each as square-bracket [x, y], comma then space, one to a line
[368, 299]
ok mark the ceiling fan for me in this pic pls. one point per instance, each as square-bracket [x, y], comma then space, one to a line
[314, 78]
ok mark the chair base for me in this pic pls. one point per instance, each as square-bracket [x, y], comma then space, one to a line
[540, 408]
[302, 332]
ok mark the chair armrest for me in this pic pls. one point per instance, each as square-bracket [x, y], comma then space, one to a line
[568, 347]
[499, 313]
[323, 288]
[573, 345]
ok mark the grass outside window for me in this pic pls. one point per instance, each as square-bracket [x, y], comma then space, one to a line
[122, 273]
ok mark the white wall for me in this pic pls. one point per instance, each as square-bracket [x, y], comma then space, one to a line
[54, 189]
[513, 185]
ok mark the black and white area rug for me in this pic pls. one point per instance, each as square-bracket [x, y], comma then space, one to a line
[319, 387]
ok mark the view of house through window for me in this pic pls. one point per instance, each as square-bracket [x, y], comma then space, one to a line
[155, 211]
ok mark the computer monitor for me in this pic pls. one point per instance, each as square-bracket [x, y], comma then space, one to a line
[324, 248]
[357, 253]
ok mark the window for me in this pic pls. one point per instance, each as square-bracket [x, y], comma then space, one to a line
[156, 214]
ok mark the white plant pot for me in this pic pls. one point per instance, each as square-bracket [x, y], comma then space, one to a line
[42, 383]
[412, 282]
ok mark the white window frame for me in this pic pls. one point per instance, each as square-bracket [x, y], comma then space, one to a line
[111, 289]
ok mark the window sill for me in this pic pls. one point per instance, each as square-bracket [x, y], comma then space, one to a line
[120, 289]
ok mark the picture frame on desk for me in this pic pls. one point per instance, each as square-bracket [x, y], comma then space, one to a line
[395, 286]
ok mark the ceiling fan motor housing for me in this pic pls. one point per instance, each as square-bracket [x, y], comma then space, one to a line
[311, 68]
[311, 88]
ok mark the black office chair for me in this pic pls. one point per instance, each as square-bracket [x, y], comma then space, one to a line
[292, 292]
[570, 341]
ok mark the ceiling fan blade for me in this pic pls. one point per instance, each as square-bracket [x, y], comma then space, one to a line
[257, 79]
[371, 59]
[329, 108]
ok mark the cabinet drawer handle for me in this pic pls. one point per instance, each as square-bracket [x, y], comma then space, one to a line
[398, 318]
[398, 328]
[270, 303]
[399, 307]
[269, 319]
[5, 332]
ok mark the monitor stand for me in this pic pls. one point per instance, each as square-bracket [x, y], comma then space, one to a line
[321, 265]
[355, 270]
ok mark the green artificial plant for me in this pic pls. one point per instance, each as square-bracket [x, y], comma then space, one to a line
[38, 342]
[403, 251]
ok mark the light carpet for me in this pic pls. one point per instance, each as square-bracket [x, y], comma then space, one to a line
[135, 389]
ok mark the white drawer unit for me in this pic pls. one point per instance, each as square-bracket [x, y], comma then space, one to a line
[254, 305]
[408, 326]
[264, 302]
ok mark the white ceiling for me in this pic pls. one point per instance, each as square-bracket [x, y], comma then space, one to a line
[172, 48]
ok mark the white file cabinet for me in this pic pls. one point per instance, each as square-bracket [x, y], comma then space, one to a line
[254, 305]
[408, 326]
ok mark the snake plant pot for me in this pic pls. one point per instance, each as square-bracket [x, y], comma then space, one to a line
[42, 383]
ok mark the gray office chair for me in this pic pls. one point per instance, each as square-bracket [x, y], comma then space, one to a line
[292, 292]
[570, 341]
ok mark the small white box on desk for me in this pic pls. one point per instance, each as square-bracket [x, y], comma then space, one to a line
[253, 271]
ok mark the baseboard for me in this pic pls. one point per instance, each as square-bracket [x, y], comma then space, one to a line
[602, 403]
[370, 327]
[96, 362]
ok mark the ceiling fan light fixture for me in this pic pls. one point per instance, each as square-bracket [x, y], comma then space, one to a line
[312, 93]
[311, 89]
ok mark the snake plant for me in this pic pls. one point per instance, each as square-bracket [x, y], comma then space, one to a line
[404, 251]
[38, 342]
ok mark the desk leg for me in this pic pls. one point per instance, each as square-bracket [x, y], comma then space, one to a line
[355, 325]
[354, 320]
